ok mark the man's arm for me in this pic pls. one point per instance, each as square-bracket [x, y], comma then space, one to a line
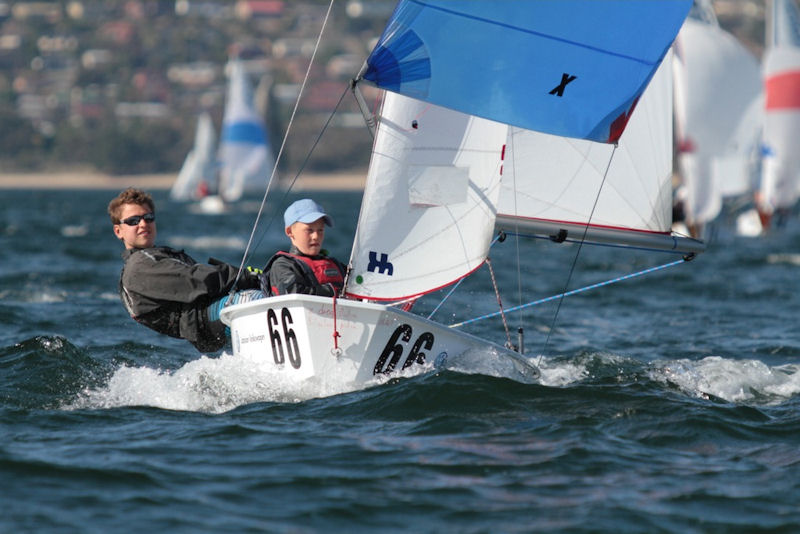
[178, 278]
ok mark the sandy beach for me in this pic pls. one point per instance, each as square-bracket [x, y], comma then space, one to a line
[92, 180]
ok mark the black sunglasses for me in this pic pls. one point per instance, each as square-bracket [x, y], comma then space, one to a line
[134, 221]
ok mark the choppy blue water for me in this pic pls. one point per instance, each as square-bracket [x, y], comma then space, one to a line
[668, 403]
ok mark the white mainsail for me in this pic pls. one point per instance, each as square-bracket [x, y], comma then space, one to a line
[200, 165]
[552, 183]
[429, 202]
[716, 79]
[780, 181]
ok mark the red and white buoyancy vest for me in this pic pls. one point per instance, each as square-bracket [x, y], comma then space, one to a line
[325, 270]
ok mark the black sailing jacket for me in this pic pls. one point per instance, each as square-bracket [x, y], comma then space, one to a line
[167, 290]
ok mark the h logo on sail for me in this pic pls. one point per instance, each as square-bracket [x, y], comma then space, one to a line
[382, 265]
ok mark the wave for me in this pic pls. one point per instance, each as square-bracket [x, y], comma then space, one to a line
[738, 381]
[785, 258]
[50, 372]
[40, 371]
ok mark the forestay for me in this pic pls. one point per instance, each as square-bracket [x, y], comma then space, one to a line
[572, 68]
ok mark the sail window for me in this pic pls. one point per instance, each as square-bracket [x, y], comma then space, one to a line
[437, 186]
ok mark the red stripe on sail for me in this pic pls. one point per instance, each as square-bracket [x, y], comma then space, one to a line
[618, 126]
[783, 91]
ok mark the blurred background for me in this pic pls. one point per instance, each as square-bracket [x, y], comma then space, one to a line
[117, 87]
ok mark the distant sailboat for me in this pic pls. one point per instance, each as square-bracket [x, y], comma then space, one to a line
[243, 161]
[199, 170]
[716, 80]
[245, 157]
[454, 160]
[780, 178]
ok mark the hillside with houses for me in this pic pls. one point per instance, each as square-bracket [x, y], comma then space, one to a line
[117, 87]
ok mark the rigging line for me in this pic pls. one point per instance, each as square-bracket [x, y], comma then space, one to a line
[367, 187]
[283, 145]
[499, 237]
[499, 303]
[577, 253]
[575, 291]
[303, 165]
[516, 224]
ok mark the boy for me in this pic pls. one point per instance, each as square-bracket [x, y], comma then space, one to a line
[306, 268]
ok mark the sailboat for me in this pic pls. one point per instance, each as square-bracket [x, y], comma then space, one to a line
[716, 81]
[199, 169]
[465, 149]
[780, 176]
[243, 161]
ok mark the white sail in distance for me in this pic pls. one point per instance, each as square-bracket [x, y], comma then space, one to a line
[716, 79]
[245, 157]
[200, 165]
[780, 180]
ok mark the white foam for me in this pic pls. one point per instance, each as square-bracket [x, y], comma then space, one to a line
[212, 385]
[731, 380]
[75, 230]
[561, 373]
[208, 242]
[788, 258]
[216, 385]
[491, 363]
[46, 296]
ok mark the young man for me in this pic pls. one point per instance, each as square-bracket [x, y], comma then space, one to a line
[167, 290]
[306, 268]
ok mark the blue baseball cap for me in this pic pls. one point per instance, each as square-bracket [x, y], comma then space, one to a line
[305, 211]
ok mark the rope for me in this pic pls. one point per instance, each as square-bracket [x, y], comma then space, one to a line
[452, 290]
[499, 302]
[577, 253]
[573, 292]
[513, 163]
[336, 334]
[500, 237]
[283, 145]
[303, 165]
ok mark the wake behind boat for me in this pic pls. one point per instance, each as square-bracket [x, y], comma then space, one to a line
[455, 149]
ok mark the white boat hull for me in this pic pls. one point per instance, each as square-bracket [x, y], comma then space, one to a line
[748, 224]
[295, 333]
[210, 205]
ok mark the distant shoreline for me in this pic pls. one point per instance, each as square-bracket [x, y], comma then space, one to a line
[89, 180]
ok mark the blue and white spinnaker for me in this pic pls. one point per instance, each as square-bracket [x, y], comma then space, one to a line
[574, 68]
